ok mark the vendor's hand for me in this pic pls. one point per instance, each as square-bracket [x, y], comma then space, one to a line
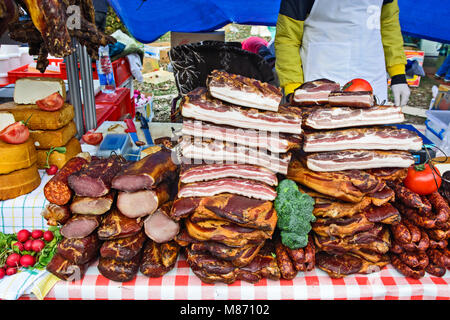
[400, 89]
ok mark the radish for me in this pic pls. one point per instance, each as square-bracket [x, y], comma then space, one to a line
[36, 234]
[13, 260]
[27, 245]
[10, 271]
[23, 235]
[19, 245]
[37, 245]
[27, 260]
[48, 236]
[2, 272]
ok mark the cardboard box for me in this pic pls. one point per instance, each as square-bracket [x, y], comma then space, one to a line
[442, 101]
[150, 64]
[154, 49]
[179, 38]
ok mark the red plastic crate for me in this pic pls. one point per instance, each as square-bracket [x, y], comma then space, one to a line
[121, 99]
[106, 113]
[22, 72]
[121, 70]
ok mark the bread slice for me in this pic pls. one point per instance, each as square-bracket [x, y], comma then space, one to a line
[45, 139]
[16, 156]
[73, 147]
[29, 90]
[19, 182]
[40, 119]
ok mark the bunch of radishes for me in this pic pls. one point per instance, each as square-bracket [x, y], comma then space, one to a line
[29, 245]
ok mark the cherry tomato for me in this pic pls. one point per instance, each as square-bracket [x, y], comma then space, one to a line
[23, 235]
[2, 272]
[357, 84]
[15, 133]
[27, 245]
[422, 179]
[53, 102]
[37, 245]
[13, 260]
[10, 271]
[53, 169]
[27, 260]
[93, 138]
[36, 234]
[48, 236]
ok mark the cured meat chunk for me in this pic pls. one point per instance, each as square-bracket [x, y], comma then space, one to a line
[116, 226]
[152, 264]
[270, 140]
[207, 172]
[348, 185]
[145, 173]
[314, 92]
[159, 226]
[196, 150]
[119, 270]
[80, 226]
[55, 214]
[94, 179]
[124, 248]
[199, 105]
[389, 174]
[80, 251]
[65, 269]
[356, 99]
[371, 138]
[169, 253]
[344, 117]
[94, 206]
[342, 227]
[358, 159]
[148, 200]
[243, 187]
[243, 91]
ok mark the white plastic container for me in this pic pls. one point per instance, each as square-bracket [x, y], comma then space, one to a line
[4, 79]
[14, 61]
[25, 58]
[9, 49]
[4, 63]
[437, 129]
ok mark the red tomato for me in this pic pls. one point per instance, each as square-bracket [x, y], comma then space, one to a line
[37, 245]
[422, 179]
[27, 260]
[48, 236]
[10, 271]
[357, 84]
[13, 260]
[53, 102]
[23, 235]
[36, 234]
[93, 138]
[15, 133]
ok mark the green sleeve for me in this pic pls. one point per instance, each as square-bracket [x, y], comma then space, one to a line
[288, 40]
[392, 39]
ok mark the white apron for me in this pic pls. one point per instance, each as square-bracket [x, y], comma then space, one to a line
[342, 41]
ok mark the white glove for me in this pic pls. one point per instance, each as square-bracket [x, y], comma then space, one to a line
[401, 94]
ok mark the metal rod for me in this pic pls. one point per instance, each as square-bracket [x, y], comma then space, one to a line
[87, 87]
[74, 91]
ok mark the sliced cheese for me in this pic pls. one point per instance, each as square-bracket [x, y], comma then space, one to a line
[39, 119]
[29, 90]
[73, 147]
[6, 119]
[45, 139]
[19, 182]
[17, 156]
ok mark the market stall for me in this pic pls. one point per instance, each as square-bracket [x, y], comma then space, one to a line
[245, 197]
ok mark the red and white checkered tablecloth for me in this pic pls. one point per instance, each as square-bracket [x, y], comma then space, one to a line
[181, 284]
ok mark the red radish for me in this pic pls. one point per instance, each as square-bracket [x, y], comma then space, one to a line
[10, 271]
[48, 236]
[19, 245]
[2, 272]
[27, 260]
[36, 234]
[27, 245]
[23, 235]
[52, 170]
[37, 245]
[13, 260]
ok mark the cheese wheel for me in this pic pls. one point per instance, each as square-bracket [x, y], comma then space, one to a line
[45, 139]
[16, 156]
[19, 182]
[73, 147]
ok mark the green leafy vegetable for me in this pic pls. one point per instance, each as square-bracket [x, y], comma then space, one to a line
[49, 250]
[294, 210]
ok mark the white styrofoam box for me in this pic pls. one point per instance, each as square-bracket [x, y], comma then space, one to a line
[4, 79]
[25, 57]
[4, 63]
[437, 129]
[14, 61]
[9, 49]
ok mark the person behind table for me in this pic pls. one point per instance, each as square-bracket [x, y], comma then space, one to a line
[444, 70]
[341, 40]
[101, 10]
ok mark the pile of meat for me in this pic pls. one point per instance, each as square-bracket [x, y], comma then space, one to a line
[345, 165]
[116, 212]
[235, 139]
[420, 239]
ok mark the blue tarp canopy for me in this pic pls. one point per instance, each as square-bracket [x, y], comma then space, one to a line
[147, 20]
